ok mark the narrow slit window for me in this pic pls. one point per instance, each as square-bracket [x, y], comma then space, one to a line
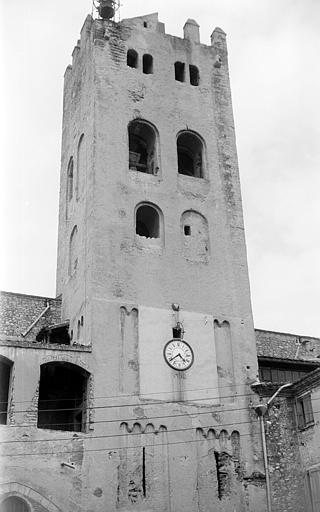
[73, 251]
[194, 75]
[147, 63]
[179, 71]
[187, 230]
[132, 59]
[70, 180]
[147, 222]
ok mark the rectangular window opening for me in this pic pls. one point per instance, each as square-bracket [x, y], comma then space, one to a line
[144, 487]
[147, 64]
[194, 75]
[187, 230]
[179, 71]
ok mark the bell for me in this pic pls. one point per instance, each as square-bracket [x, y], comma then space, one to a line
[106, 9]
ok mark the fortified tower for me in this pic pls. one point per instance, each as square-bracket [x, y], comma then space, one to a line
[154, 392]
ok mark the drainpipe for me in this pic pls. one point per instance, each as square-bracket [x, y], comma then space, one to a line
[261, 410]
[24, 334]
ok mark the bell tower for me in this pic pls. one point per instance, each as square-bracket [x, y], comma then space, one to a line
[152, 264]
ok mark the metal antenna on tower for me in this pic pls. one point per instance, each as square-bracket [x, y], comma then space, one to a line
[107, 9]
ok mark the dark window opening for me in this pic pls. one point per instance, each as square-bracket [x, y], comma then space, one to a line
[81, 321]
[147, 222]
[132, 59]
[142, 148]
[5, 373]
[144, 487]
[304, 411]
[194, 75]
[14, 504]
[145, 24]
[179, 71]
[147, 64]
[187, 230]
[190, 151]
[62, 397]
[58, 334]
[71, 334]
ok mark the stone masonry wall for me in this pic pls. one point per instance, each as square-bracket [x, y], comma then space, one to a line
[19, 311]
[284, 345]
[286, 474]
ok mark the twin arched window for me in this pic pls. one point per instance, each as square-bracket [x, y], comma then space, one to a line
[144, 150]
[180, 73]
[194, 230]
[133, 61]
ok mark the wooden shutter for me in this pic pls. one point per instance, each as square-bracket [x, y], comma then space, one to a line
[308, 412]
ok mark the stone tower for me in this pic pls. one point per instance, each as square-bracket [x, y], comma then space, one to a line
[151, 248]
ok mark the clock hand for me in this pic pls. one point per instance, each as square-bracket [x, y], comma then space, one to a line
[172, 358]
[183, 359]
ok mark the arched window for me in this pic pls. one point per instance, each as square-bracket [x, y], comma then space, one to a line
[195, 236]
[62, 397]
[143, 147]
[73, 251]
[81, 164]
[132, 58]
[70, 180]
[194, 75]
[5, 377]
[147, 64]
[147, 221]
[179, 71]
[190, 151]
[14, 504]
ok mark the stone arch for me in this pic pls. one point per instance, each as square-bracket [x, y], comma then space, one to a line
[26, 493]
[195, 236]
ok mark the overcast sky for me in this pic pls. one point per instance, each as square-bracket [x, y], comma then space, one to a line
[274, 53]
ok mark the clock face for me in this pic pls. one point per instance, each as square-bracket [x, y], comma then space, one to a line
[178, 354]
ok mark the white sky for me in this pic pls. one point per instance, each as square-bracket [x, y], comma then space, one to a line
[274, 52]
